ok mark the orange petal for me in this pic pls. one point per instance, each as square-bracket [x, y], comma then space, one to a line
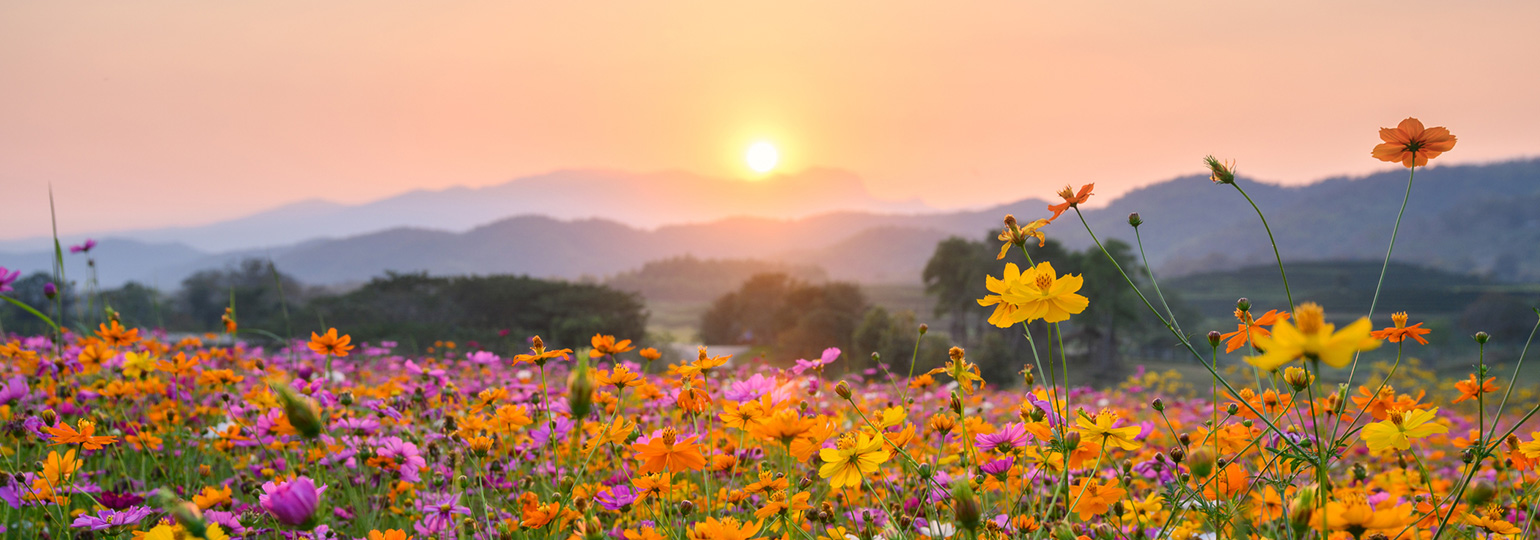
[1412, 127]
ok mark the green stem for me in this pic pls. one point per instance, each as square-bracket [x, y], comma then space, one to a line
[1286, 291]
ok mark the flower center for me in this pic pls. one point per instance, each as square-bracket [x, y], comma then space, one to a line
[1310, 318]
[1044, 282]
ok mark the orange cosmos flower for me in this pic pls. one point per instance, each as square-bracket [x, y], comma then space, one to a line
[85, 437]
[1250, 329]
[1471, 389]
[666, 451]
[1071, 199]
[116, 336]
[1411, 144]
[388, 534]
[1401, 331]
[538, 355]
[331, 344]
[606, 345]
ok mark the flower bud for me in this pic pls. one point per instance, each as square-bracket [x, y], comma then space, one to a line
[1482, 337]
[924, 328]
[345, 398]
[1298, 378]
[1202, 462]
[1480, 493]
[1158, 405]
[1243, 304]
[965, 506]
[956, 403]
[300, 410]
[686, 507]
[1219, 172]
[842, 389]
[49, 417]
[50, 290]
[1072, 440]
[580, 389]
[1177, 454]
[1135, 220]
[1213, 338]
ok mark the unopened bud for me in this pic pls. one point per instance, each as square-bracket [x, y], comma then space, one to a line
[1158, 405]
[924, 328]
[842, 389]
[1134, 219]
[300, 410]
[1482, 337]
[965, 505]
[1243, 304]
[1213, 338]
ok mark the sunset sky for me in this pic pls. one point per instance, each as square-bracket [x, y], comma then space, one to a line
[155, 113]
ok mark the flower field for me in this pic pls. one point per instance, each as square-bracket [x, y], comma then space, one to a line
[114, 432]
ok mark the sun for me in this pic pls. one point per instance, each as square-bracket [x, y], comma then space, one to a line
[762, 157]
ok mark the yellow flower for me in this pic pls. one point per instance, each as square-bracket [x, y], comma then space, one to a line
[962, 371]
[1351, 512]
[1100, 430]
[848, 463]
[1310, 336]
[1401, 427]
[136, 364]
[1491, 521]
[1037, 293]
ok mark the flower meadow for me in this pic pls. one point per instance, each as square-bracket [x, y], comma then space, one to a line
[115, 432]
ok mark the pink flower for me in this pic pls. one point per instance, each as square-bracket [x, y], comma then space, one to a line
[294, 502]
[829, 356]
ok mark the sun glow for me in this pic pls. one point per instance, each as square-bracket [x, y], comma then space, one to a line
[762, 157]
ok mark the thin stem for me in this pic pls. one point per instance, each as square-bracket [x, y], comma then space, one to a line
[1286, 291]
[1374, 301]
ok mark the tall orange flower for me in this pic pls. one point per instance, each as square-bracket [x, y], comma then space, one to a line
[117, 336]
[86, 436]
[607, 345]
[665, 451]
[1400, 331]
[331, 344]
[1071, 199]
[1411, 144]
[1249, 329]
[1472, 388]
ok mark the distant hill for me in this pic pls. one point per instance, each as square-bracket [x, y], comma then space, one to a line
[1469, 220]
[641, 200]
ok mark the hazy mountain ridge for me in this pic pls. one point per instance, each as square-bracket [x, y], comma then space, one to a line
[1467, 219]
[645, 200]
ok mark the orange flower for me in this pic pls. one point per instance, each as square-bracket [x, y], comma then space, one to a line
[330, 344]
[1412, 145]
[1250, 329]
[1471, 389]
[1401, 331]
[117, 336]
[666, 451]
[538, 355]
[85, 437]
[388, 534]
[1071, 199]
[606, 345]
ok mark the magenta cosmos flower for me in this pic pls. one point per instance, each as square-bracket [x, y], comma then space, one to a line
[293, 502]
[829, 356]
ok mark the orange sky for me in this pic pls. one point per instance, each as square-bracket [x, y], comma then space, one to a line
[154, 113]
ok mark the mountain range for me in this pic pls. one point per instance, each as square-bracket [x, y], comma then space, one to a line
[642, 200]
[1482, 219]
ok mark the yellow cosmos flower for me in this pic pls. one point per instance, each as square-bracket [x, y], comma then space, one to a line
[848, 463]
[1100, 430]
[1038, 293]
[1401, 427]
[1310, 336]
